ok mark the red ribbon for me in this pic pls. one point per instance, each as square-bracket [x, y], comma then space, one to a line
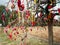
[50, 6]
[3, 17]
[59, 10]
[19, 3]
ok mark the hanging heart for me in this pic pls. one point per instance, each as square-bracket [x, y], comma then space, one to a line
[13, 6]
[6, 9]
[21, 7]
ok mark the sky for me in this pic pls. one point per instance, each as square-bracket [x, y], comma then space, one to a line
[3, 2]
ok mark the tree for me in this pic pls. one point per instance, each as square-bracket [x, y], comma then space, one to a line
[50, 4]
[1, 9]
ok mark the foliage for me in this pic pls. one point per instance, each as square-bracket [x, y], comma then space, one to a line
[1, 9]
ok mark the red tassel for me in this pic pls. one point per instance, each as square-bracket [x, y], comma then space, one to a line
[31, 29]
[8, 26]
[10, 36]
[6, 31]
[27, 16]
[14, 28]
[28, 12]
[59, 10]
[33, 23]
[3, 17]
[17, 32]
[22, 27]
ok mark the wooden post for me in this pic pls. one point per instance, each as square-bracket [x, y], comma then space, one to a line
[50, 28]
[50, 32]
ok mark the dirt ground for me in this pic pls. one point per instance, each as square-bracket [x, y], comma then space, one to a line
[42, 33]
[33, 34]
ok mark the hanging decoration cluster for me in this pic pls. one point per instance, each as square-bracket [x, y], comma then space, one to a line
[20, 6]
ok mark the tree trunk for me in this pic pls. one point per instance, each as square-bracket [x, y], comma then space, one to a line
[50, 32]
